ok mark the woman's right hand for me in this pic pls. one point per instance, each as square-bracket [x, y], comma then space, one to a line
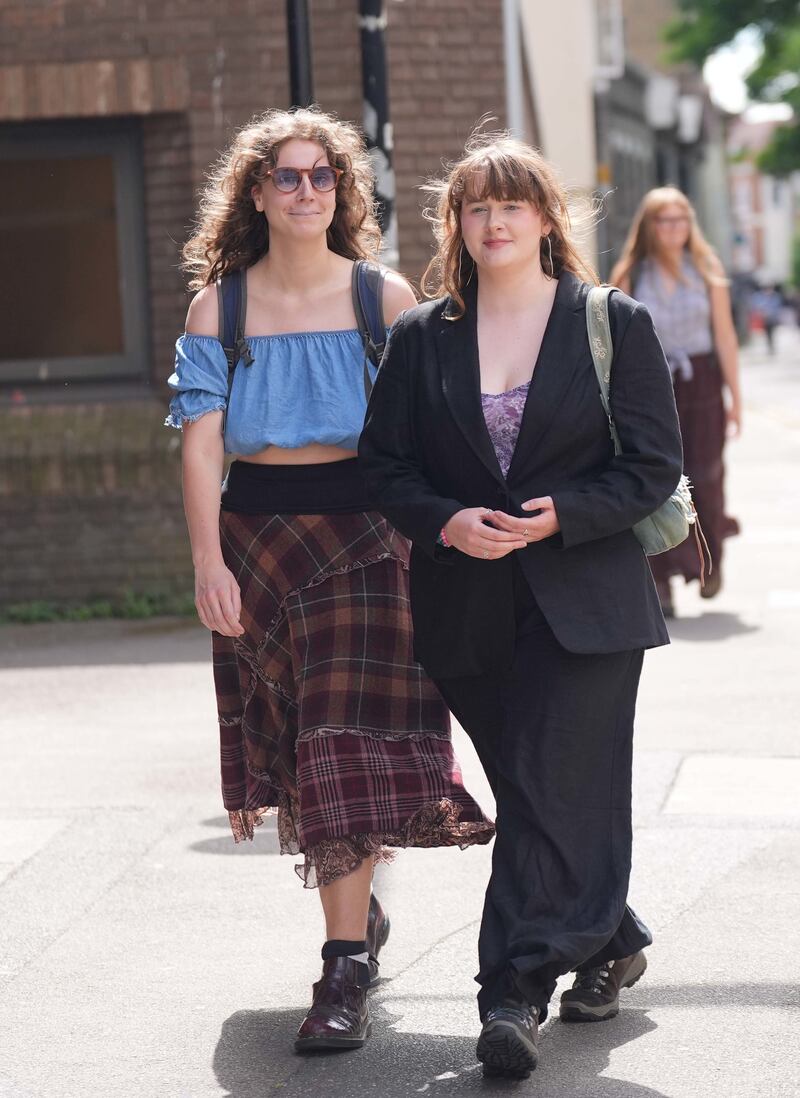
[218, 600]
[467, 532]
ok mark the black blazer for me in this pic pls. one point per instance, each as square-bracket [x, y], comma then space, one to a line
[426, 454]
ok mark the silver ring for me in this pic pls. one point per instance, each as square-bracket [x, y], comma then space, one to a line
[485, 554]
[525, 532]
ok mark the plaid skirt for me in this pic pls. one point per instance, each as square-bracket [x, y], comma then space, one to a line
[324, 715]
[701, 411]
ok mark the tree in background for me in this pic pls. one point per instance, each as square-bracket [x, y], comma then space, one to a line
[705, 25]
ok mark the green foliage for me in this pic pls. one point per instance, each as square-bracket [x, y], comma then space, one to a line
[132, 605]
[782, 155]
[704, 25]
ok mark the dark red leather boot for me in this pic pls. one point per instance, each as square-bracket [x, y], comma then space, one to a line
[378, 927]
[339, 1016]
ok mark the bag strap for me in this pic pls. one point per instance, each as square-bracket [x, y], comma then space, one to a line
[232, 303]
[367, 290]
[598, 329]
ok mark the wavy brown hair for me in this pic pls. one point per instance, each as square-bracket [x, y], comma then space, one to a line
[499, 166]
[229, 231]
[643, 242]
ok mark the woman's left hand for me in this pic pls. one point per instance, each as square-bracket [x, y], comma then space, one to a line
[537, 527]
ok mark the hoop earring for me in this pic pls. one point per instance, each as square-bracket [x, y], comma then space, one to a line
[550, 258]
[461, 251]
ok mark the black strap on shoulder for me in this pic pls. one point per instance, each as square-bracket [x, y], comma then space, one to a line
[232, 301]
[368, 280]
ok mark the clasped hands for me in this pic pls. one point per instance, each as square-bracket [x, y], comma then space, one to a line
[490, 535]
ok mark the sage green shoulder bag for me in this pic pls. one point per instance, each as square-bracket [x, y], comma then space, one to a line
[671, 523]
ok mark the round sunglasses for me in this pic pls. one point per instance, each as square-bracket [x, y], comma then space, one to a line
[323, 178]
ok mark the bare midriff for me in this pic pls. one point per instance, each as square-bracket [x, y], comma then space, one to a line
[314, 454]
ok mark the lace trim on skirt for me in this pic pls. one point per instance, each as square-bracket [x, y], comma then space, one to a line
[436, 824]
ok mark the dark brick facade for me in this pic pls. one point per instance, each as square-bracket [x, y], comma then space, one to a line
[89, 492]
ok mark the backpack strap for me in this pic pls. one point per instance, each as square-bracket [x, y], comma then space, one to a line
[367, 289]
[232, 302]
[598, 329]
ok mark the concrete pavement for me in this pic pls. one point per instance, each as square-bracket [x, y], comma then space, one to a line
[142, 955]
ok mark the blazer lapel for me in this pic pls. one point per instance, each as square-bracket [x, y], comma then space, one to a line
[563, 346]
[457, 351]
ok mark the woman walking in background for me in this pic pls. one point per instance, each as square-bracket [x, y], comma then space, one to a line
[323, 713]
[670, 267]
[486, 443]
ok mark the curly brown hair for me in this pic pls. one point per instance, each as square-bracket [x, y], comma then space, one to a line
[230, 233]
[499, 166]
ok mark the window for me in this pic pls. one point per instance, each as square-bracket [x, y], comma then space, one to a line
[72, 280]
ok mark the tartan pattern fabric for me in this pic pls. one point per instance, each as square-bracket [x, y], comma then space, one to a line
[323, 712]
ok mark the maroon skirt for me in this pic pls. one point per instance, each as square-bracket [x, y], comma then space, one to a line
[701, 411]
[324, 715]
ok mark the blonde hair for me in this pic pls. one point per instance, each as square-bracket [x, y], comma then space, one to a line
[230, 233]
[643, 241]
[499, 166]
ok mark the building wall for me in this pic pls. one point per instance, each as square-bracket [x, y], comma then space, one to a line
[644, 22]
[90, 493]
[698, 169]
[765, 208]
[560, 39]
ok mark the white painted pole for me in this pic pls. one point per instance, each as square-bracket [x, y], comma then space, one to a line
[515, 98]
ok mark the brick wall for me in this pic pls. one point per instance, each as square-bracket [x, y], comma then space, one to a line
[446, 65]
[89, 496]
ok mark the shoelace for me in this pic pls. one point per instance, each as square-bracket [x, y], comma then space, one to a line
[593, 979]
[519, 1012]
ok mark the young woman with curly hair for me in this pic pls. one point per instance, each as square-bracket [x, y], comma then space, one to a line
[487, 445]
[324, 714]
[670, 267]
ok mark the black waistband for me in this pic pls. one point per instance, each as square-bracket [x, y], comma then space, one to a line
[333, 488]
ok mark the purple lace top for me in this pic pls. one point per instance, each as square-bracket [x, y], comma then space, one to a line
[503, 415]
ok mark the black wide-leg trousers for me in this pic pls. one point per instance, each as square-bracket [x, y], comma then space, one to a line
[555, 736]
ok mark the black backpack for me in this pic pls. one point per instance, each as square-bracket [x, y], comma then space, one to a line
[367, 290]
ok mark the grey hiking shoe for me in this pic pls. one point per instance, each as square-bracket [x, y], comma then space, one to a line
[508, 1044]
[594, 997]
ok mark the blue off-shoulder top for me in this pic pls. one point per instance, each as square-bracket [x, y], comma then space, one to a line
[302, 387]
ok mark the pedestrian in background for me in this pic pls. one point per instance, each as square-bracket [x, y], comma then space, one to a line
[487, 445]
[767, 304]
[670, 267]
[323, 713]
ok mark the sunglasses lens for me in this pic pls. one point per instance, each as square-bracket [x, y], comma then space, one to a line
[286, 179]
[323, 179]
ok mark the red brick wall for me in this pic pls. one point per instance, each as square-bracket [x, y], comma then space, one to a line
[192, 71]
[446, 66]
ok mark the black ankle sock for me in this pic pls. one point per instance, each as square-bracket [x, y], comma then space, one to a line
[336, 947]
[356, 951]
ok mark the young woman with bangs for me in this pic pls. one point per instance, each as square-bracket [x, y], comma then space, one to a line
[670, 267]
[486, 444]
[324, 715]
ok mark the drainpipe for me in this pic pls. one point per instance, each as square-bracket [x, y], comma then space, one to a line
[377, 126]
[301, 80]
[512, 50]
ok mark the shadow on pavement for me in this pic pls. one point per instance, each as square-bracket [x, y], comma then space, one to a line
[254, 1057]
[713, 626]
[265, 841]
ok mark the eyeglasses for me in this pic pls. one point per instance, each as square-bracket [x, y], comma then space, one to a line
[323, 178]
[682, 220]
